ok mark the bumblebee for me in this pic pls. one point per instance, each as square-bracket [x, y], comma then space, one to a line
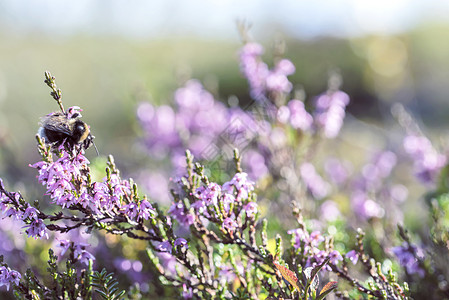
[59, 127]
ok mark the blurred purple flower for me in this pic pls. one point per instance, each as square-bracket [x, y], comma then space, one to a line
[364, 207]
[407, 256]
[398, 193]
[329, 211]
[337, 171]
[187, 293]
[315, 238]
[315, 184]
[157, 184]
[427, 161]
[262, 80]
[145, 210]
[299, 117]
[168, 262]
[353, 256]
[255, 164]
[330, 112]
[64, 245]
[8, 277]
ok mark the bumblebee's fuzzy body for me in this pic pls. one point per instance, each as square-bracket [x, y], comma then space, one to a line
[57, 127]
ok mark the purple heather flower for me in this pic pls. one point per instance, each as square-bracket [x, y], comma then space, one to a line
[131, 210]
[407, 258]
[353, 256]
[71, 111]
[299, 236]
[58, 177]
[227, 200]
[146, 210]
[187, 293]
[315, 238]
[81, 253]
[229, 224]
[164, 246]
[335, 257]
[177, 211]
[251, 209]
[8, 276]
[241, 183]
[36, 229]
[85, 257]
[181, 242]
[12, 211]
[64, 245]
[209, 194]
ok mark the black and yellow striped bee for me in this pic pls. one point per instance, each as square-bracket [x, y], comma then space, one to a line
[59, 127]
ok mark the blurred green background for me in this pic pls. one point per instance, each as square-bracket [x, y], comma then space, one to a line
[106, 64]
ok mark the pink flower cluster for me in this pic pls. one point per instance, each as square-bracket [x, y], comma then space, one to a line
[308, 243]
[296, 115]
[66, 180]
[12, 205]
[213, 201]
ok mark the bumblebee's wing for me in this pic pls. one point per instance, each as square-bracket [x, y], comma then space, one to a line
[56, 122]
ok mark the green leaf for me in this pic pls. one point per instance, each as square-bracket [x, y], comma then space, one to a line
[106, 285]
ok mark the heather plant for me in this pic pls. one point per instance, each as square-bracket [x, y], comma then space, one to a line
[234, 172]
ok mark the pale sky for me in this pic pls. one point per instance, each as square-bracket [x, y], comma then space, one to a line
[216, 18]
